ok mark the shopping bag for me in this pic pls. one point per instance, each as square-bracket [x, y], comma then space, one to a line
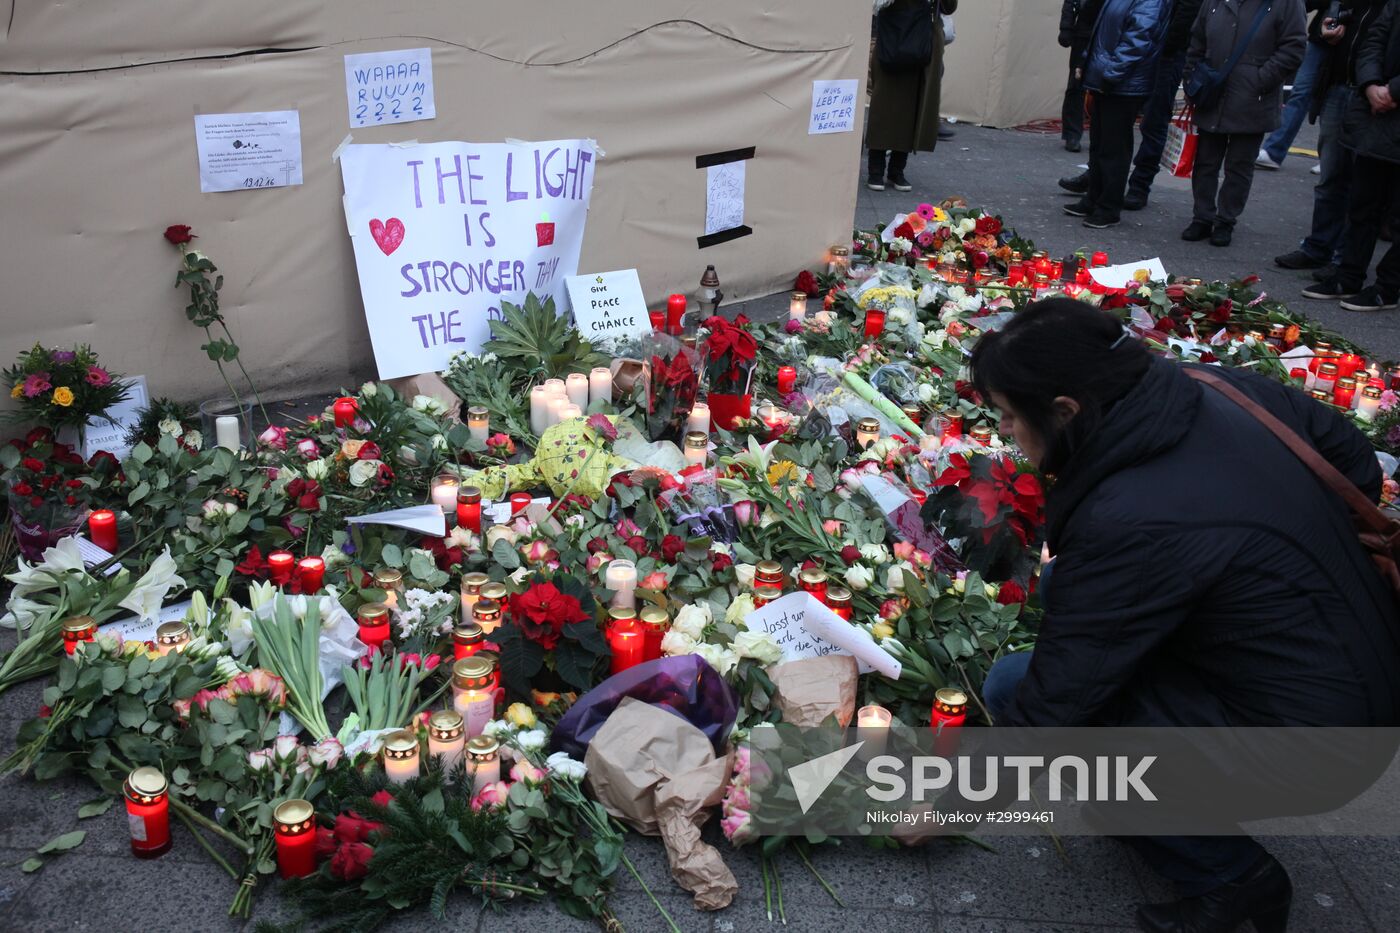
[1179, 153]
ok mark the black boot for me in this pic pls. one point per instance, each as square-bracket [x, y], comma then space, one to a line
[1076, 184]
[896, 171]
[875, 177]
[1263, 894]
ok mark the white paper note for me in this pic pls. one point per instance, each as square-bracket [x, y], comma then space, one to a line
[131, 628]
[724, 196]
[499, 512]
[1117, 276]
[804, 627]
[390, 87]
[833, 106]
[110, 435]
[608, 305]
[424, 519]
[240, 151]
[93, 555]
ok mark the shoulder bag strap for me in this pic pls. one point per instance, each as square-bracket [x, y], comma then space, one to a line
[1366, 510]
[1238, 53]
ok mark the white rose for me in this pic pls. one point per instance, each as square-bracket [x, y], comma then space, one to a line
[927, 295]
[211, 509]
[438, 442]
[532, 740]
[460, 537]
[318, 470]
[757, 645]
[718, 657]
[691, 620]
[363, 472]
[194, 439]
[899, 317]
[858, 576]
[230, 508]
[875, 553]
[674, 642]
[967, 225]
[428, 405]
[739, 609]
[561, 764]
[500, 533]
[744, 573]
[369, 389]
[171, 426]
[926, 392]
[900, 244]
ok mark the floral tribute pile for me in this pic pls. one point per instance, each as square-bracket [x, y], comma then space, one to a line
[387, 718]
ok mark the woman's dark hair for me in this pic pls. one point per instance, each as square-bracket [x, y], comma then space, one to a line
[1056, 347]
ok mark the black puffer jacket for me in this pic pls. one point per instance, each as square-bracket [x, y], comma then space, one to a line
[1204, 576]
[1376, 60]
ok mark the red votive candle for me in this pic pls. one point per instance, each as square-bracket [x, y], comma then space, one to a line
[1344, 393]
[1099, 259]
[294, 827]
[949, 714]
[102, 528]
[658, 319]
[280, 564]
[1057, 270]
[874, 323]
[626, 639]
[469, 508]
[655, 624]
[374, 625]
[1298, 374]
[467, 640]
[147, 812]
[519, 502]
[787, 379]
[1014, 275]
[675, 313]
[813, 580]
[345, 409]
[311, 571]
[77, 629]
[1349, 363]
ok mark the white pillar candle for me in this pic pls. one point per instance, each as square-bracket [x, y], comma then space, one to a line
[873, 728]
[475, 707]
[699, 420]
[569, 412]
[483, 762]
[576, 387]
[446, 739]
[401, 757]
[797, 306]
[539, 412]
[444, 492]
[599, 385]
[557, 404]
[556, 387]
[478, 423]
[621, 578]
[226, 432]
[1368, 402]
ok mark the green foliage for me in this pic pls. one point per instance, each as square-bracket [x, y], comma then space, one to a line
[147, 426]
[536, 339]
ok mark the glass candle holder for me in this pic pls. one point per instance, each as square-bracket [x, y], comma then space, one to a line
[469, 508]
[102, 529]
[172, 636]
[838, 600]
[147, 799]
[698, 421]
[447, 738]
[78, 629]
[374, 625]
[294, 830]
[1370, 403]
[487, 614]
[467, 640]
[519, 502]
[620, 577]
[625, 638]
[763, 595]
[787, 380]
[840, 260]
[227, 423]
[400, 756]
[478, 423]
[867, 432]
[981, 434]
[483, 761]
[797, 306]
[474, 698]
[443, 491]
[873, 728]
[312, 573]
[697, 448]
[471, 592]
[344, 411]
[390, 580]
[768, 573]
[280, 566]
[599, 385]
[813, 581]
[539, 409]
[655, 624]
[948, 715]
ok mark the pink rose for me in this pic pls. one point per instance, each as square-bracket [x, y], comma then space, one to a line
[832, 527]
[656, 580]
[307, 448]
[746, 512]
[274, 437]
[524, 771]
[903, 550]
[491, 796]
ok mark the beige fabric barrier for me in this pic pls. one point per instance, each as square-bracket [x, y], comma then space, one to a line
[97, 156]
[1005, 68]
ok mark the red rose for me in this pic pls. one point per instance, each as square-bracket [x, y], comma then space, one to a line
[70, 500]
[369, 451]
[351, 862]
[36, 502]
[806, 282]
[325, 843]
[850, 554]
[1011, 593]
[597, 545]
[178, 234]
[306, 493]
[102, 460]
[47, 482]
[542, 611]
[39, 436]
[74, 484]
[23, 489]
[671, 548]
[721, 562]
[1209, 357]
[988, 226]
[385, 476]
[351, 827]
[1221, 313]
[638, 544]
[382, 798]
[32, 464]
[254, 564]
[904, 231]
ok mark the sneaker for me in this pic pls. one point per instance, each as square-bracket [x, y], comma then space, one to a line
[1134, 201]
[1073, 145]
[1370, 298]
[1264, 160]
[1196, 230]
[899, 182]
[1080, 208]
[875, 184]
[1099, 220]
[1328, 271]
[1076, 184]
[1317, 169]
[1221, 235]
[1328, 290]
[1298, 259]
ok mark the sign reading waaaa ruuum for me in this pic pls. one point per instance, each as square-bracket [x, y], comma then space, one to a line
[445, 232]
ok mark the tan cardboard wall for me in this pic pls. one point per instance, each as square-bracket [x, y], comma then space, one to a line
[1005, 67]
[97, 156]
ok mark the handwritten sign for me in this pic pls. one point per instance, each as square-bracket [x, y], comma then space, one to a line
[131, 628]
[833, 106]
[804, 627]
[724, 196]
[444, 233]
[239, 151]
[608, 305]
[390, 87]
[109, 433]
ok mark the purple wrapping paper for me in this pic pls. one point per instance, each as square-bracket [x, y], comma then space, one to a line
[684, 685]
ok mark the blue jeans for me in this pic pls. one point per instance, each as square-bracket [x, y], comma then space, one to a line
[1296, 110]
[1324, 240]
[1156, 117]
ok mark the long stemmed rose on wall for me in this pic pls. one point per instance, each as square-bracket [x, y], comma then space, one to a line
[203, 309]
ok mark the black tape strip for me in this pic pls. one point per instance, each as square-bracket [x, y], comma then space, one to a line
[719, 158]
[724, 236]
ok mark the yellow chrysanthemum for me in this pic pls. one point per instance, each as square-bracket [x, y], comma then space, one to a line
[63, 396]
[782, 470]
[940, 215]
[17, 391]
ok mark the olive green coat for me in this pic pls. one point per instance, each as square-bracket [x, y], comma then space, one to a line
[903, 114]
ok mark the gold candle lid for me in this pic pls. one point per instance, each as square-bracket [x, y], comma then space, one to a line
[468, 633]
[467, 495]
[697, 440]
[373, 614]
[495, 591]
[837, 596]
[482, 747]
[478, 413]
[1320, 395]
[294, 816]
[172, 633]
[446, 725]
[145, 785]
[79, 624]
[1327, 369]
[799, 296]
[812, 576]
[654, 617]
[1371, 392]
[768, 593]
[473, 673]
[622, 614]
[473, 582]
[401, 745]
[840, 251]
[387, 578]
[1346, 382]
[868, 426]
[952, 697]
[487, 610]
[769, 569]
[981, 430]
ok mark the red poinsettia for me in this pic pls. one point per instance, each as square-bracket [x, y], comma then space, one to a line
[253, 564]
[731, 350]
[988, 226]
[542, 611]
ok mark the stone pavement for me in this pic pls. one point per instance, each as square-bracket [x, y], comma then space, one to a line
[1342, 884]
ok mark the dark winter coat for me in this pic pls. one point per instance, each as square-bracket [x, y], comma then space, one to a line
[1377, 61]
[903, 112]
[1077, 20]
[1339, 65]
[1127, 41]
[1204, 576]
[1179, 27]
[1253, 91]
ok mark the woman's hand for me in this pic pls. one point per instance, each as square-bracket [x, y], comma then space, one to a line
[1379, 97]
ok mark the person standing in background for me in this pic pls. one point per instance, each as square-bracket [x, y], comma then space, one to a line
[1118, 68]
[1264, 39]
[905, 78]
[1077, 18]
[1277, 143]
